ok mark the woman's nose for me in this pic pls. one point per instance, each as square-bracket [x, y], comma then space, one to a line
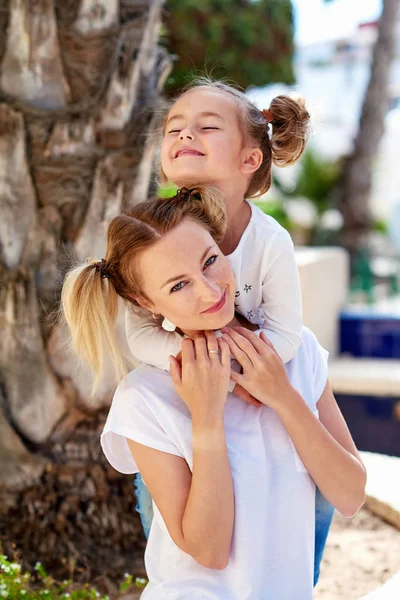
[211, 291]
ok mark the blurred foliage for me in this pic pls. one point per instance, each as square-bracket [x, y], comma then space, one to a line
[247, 41]
[18, 585]
[380, 226]
[316, 181]
[167, 190]
[275, 209]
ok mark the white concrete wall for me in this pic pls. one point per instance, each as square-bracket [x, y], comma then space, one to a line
[324, 277]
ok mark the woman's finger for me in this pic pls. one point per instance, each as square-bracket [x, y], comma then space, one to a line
[259, 344]
[237, 378]
[200, 345]
[265, 340]
[237, 352]
[188, 351]
[244, 344]
[225, 353]
[212, 345]
[175, 370]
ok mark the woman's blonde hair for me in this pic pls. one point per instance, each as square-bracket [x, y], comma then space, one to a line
[90, 293]
[290, 128]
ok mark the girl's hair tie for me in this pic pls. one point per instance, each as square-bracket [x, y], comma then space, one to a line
[268, 115]
[183, 194]
[102, 268]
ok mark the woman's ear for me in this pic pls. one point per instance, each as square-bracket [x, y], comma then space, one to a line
[144, 303]
[251, 160]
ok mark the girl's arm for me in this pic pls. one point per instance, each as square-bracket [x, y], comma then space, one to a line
[148, 341]
[281, 297]
[198, 507]
[325, 447]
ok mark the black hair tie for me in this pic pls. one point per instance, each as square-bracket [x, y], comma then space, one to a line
[102, 268]
[183, 194]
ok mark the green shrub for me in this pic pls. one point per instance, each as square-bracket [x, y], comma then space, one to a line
[15, 585]
[275, 209]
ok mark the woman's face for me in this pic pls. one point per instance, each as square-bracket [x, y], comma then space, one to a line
[188, 279]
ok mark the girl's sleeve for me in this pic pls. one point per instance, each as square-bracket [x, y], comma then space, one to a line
[130, 417]
[148, 341]
[281, 297]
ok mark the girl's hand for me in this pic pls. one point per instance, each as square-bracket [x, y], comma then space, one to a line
[243, 394]
[264, 375]
[202, 376]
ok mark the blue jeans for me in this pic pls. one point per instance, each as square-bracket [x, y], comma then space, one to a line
[323, 519]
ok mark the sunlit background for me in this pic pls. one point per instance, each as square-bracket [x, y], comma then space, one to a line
[80, 82]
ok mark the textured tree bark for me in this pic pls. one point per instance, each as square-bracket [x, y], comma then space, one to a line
[355, 186]
[78, 83]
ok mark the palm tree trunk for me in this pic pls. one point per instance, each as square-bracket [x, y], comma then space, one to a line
[356, 182]
[78, 79]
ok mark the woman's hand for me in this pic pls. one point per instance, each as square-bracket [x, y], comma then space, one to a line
[264, 375]
[202, 376]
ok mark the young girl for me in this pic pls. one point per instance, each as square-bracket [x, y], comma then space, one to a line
[214, 135]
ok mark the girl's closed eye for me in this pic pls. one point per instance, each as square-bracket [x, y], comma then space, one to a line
[179, 286]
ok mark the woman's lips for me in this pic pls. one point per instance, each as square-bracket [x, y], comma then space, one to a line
[216, 307]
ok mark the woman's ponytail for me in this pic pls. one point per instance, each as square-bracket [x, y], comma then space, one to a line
[90, 305]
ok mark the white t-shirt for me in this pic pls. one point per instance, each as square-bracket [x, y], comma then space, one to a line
[267, 294]
[272, 552]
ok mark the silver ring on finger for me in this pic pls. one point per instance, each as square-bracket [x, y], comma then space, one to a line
[213, 352]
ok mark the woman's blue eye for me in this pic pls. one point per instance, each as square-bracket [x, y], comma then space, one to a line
[211, 260]
[181, 284]
[178, 286]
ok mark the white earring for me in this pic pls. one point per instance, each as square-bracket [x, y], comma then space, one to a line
[167, 325]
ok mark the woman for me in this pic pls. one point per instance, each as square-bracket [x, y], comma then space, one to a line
[233, 483]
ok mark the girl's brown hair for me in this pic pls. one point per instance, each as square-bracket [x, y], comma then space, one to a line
[290, 127]
[91, 291]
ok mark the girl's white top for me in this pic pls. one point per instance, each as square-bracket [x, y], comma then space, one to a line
[267, 294]
[272, 552]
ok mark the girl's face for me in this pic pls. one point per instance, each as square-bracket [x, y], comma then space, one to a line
[188, 279]
[202, 141]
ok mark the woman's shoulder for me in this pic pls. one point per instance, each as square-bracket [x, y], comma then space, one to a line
[310, 350]
[309, 367]
[140, 411]
[143, 382]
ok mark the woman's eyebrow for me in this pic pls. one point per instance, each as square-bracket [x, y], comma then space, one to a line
[202, 114]
[183, 276]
